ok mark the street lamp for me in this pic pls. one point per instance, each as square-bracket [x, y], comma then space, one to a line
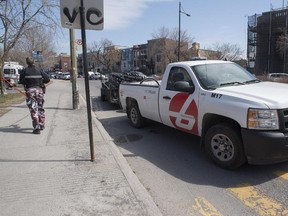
[179, 34]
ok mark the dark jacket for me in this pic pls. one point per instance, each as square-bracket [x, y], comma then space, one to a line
[32, 77]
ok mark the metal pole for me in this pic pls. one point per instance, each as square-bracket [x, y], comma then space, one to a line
[269, 45]
[75, 92]
[84, 48]
[285, 42]
[179, 33]
[2, 62]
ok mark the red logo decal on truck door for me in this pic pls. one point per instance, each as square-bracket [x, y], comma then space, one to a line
[183, 113]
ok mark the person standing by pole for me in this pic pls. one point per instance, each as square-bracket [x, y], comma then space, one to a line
[33, 80]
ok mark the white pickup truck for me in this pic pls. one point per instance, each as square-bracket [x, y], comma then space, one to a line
[238, 117]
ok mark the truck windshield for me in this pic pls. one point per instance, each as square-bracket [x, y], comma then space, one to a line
[212, 76]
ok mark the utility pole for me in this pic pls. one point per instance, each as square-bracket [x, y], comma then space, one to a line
[179, 28]
[75, 91]
[179, 32]
[269, 44]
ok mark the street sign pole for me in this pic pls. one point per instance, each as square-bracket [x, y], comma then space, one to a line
[84, 50]
[94, 20]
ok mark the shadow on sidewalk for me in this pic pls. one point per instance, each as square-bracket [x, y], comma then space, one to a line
[50, 108]
[19, 106]
[31, 161]
[16, 129]
[57, 108]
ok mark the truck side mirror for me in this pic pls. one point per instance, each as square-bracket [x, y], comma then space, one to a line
[184, 86]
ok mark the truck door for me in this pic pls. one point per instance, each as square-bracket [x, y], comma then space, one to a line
[179, 109]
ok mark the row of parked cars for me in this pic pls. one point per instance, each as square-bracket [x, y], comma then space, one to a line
[66, 75]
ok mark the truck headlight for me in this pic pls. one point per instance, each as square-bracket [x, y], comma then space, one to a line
[263, 119]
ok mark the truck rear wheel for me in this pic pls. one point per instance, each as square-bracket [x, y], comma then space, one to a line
[224, 146]
[135, 116]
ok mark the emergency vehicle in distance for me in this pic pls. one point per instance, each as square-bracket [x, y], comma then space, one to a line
[12, 72]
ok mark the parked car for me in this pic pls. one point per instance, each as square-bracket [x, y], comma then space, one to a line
[91, 75]
[103, 77]
[97, 75]
[65, 76]
[278, 76]
[52, 75]
[58, 75]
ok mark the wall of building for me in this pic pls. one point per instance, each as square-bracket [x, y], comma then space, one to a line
[269, 29]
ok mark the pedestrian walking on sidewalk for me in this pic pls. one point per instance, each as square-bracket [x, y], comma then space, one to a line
[33, 80]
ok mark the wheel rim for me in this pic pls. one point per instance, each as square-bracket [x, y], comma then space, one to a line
[133, 116]
[222, 147]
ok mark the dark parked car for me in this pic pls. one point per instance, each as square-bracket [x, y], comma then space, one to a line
[52, 75]
[278, 77]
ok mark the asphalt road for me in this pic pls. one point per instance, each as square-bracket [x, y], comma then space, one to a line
[179, 176]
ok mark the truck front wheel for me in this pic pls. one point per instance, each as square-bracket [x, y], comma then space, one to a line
[135, 116]
[224, 146]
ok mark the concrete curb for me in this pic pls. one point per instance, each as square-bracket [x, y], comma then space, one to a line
[136, 186]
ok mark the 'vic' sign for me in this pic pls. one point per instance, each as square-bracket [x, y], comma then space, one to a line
[70, 14]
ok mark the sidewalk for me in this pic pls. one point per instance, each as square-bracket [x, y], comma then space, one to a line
[51, 173]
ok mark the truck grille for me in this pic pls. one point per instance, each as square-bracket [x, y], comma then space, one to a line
[284, 115]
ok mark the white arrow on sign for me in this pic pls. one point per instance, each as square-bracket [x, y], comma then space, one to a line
[70, 14]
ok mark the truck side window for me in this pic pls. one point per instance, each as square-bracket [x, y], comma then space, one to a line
[177, 74]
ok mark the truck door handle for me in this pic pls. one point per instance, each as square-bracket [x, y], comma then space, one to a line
[167, 97]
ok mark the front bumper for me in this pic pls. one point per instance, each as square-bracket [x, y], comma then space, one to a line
[265, 147]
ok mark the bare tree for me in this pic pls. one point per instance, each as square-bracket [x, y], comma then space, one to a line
[105, 53]
[18, 17]
[185, 42]
[212, 54]
[171, 51]
[38, 39]
[227, 51]
[162, 32]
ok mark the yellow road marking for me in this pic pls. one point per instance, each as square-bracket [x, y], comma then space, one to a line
[205, 208]
[282, 174]
[262, 204]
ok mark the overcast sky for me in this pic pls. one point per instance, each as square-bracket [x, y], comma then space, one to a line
[131, 22]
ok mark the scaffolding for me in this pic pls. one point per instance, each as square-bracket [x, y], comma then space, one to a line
[267, 42]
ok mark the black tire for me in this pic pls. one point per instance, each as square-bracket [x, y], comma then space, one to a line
[134, 115]
[224, 146]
